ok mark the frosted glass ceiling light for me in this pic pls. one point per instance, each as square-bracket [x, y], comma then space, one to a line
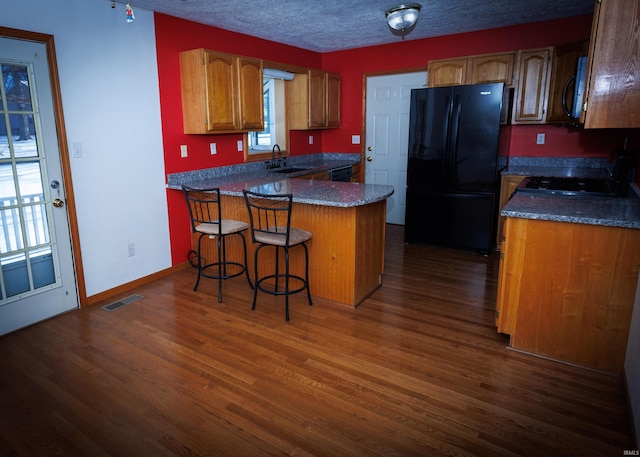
[402, 18]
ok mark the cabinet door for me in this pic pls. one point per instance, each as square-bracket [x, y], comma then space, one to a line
[333, 100]
[563, 68]
[494, 68]
[317, 99]
[452, 72]
[221, 92]
[250, 94]
[613, 85]
[532, 86]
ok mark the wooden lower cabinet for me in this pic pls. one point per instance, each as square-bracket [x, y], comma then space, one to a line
[566, 290]
[346, 253]
[508, 185]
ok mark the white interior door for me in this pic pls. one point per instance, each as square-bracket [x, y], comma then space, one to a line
[387, 135]
[37, 278]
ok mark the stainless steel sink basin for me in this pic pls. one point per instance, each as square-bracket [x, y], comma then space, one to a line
[289, 170]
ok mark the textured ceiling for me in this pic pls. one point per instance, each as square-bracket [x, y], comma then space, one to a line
[331, 25]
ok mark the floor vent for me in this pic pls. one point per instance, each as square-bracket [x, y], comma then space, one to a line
[120, 303]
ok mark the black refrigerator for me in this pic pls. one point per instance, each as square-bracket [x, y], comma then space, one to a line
[452, 169]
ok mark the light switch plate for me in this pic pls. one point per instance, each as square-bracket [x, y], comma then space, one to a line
[355, 139]
[240, 149]
[310, 139]
[540, 138]
[213, 148]
[183, 150]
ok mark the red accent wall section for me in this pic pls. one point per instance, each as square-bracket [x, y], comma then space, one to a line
[174, 35]
[414, 55]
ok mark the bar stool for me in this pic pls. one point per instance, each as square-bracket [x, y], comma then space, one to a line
[270, 225]
[206, 218]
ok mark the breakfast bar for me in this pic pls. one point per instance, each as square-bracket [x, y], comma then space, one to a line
[347, 220]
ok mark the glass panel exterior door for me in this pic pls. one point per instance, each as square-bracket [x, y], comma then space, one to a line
[27, 263]
[37, 271]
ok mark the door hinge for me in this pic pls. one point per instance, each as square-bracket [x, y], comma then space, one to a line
[497, 313]
[501, 255]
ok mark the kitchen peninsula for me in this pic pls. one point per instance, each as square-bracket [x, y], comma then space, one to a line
[347, 220]
[568, 273]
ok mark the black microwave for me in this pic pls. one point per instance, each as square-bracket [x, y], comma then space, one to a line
[578, 89]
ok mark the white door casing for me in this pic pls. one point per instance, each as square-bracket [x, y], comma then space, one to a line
[387, 135]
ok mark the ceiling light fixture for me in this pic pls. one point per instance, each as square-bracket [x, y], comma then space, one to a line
[402, 19]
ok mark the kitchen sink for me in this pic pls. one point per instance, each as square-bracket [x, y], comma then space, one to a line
[289, 170]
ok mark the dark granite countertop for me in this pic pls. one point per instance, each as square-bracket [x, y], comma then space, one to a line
[234, 179]
[608, 211]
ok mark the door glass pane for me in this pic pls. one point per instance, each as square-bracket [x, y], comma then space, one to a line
[23, 135]
[16, 87]
[27, 262]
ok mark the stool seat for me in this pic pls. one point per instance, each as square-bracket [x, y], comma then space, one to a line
[206, 219]
[226, 227]
[274, 237]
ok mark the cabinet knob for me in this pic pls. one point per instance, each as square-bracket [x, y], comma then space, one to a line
[369, 158]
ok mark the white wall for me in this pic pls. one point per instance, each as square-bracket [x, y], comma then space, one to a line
[109, 84]
[632, 363]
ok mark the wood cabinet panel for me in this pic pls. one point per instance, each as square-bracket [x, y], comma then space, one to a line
[532, 86]
[566, 290]
[493, 68]
[333, 100]
[449, 72]
[508, 185]
[487, 68]
[221, 93]
[251, 100]
[613, 87]
[313, 100]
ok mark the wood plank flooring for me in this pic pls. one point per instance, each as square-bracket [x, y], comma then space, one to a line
[417, 370]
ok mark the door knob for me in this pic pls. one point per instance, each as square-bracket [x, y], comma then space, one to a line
[58, 203]
[369, 158]
[370, 148]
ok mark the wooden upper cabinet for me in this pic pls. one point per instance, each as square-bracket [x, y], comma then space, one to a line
[532, 86]
[612, 92]
[333, 100]
[449, 72]
[562, 84]
[488, 68]
[317, 98]
[313, 100]
[221, 93]
[250, 94]
[491, 68]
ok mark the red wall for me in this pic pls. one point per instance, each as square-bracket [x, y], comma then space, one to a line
[174, 35]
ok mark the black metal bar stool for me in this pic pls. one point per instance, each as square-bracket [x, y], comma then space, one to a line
[206, 218]
[270, 224]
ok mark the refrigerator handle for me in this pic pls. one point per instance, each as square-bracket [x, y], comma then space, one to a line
[445, 127]
[455, 123]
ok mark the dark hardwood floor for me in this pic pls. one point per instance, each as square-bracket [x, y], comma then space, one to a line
[417, 370]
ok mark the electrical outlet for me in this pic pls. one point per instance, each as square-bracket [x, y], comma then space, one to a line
[310, 139]
[540, 138]
[131, 249]
[213, 148]
[240, 148]
[183, 150]
[355, 139]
